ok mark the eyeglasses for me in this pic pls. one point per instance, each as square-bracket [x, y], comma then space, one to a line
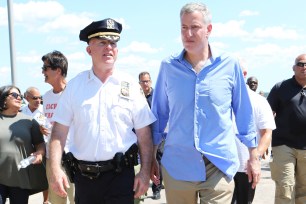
[15, 95]
[301, 64]
[145, 81]
[45, 67]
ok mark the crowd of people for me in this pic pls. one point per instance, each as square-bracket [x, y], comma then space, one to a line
[199, 134]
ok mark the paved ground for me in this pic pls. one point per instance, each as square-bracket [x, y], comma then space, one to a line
[264, 192]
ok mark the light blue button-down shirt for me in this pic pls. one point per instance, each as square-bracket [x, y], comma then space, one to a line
[198, 108]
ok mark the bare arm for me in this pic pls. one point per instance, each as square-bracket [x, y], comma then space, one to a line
[155, 177]
[58, 179]
[265, 140]
[40, 152]
[253, 169]
[145, 144]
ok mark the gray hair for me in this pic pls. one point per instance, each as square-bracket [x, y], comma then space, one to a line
[31, 88]
[192, 7]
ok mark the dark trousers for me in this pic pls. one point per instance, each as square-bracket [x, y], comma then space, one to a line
[109, 188]
[243, 193]
[157, 188]
[15, 194]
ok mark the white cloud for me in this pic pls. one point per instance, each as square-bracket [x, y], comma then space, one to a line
[276, 32]
[4, 70]
[139, 47]
[30, 58]
[64, 23]
[275, 52]
[235, 29]
[219, 45]
[33, 12]
[136, 62]
[229, 29]
[45, 16]
[249, 13]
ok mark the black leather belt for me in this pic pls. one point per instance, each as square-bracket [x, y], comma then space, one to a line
[120, 161]
[93, 169]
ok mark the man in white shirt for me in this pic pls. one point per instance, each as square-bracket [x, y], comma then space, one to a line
[34, 108]
[34, 99]
[54, 69]
[264, 122]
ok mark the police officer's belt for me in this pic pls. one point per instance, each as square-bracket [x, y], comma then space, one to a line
[120, 160]
[95, 167]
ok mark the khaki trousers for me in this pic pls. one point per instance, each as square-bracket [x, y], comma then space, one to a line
[53, 197]
[216, 189]
[288, 170]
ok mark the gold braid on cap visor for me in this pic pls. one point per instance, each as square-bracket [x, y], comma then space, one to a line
[104, 34]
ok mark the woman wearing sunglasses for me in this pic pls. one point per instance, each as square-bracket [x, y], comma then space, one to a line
[20, 137]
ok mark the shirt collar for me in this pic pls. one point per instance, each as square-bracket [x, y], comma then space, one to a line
[214, 55]
[91, 76]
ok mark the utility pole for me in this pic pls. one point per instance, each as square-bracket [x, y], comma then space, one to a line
[11, 37]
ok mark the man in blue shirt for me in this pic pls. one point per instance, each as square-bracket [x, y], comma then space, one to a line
[196, 92]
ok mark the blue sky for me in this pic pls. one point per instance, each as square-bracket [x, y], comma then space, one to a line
[267, 34]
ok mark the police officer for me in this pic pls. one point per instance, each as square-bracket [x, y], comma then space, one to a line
[103, 105]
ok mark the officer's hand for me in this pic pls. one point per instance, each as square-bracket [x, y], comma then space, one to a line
[141, 184]
[155, 177]
[59, 182]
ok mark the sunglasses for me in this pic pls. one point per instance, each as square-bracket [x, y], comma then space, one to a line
[36, 97]
[45, 67]
[16, 95]
[301, 64]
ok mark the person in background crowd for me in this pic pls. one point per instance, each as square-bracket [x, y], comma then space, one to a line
[103, 106]
[288, 102]
[261, 93]
[197, 92]
[54, 69]
[20, 137]
[33, 97]
[35, 110]
[252, 82]
[146, 85]
[264, 121]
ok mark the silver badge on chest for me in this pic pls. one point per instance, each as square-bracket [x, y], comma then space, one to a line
[125, 89]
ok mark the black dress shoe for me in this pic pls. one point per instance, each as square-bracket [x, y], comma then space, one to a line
[156, 196]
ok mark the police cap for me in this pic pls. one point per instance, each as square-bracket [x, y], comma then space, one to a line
[107, 29]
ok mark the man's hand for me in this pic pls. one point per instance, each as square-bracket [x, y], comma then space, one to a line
[141, 184]
[155, 177]
[59, 182]
[254, 171]
[43, 130]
